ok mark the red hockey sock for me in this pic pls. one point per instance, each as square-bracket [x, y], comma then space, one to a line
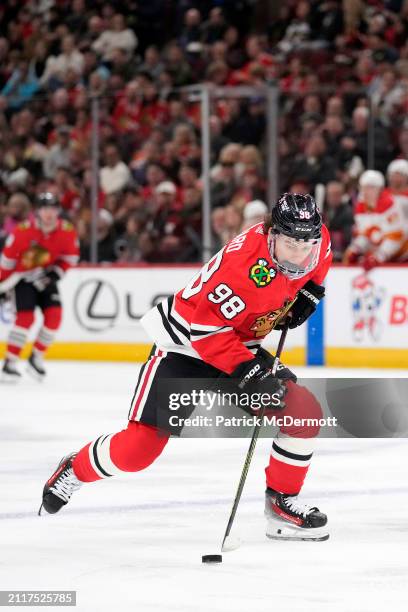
[51, 323]
[19, 332]
[292, 449]
[130, 450]
[283, 477]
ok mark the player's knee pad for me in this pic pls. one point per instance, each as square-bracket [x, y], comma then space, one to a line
[302, 405]
[136, 447]
[52, 317]
[24, 318]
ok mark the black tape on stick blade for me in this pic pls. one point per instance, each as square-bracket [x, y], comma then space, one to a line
[211, 558]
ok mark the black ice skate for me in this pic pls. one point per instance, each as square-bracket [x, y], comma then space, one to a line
[9, 372]
[59, 488]
[287, 519]
[35, 367]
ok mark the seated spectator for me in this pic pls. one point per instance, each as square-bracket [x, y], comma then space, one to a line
[177, 66]
[192, 28]
[152, 63]
[254, 212]
[67, 191]
[359, 132]
[315, 165]
[333, 131]
[339, 219]
[349, 164]
[127, 111]
[164, 223]
[233, 222]
[298, 32]
[403, 142]
[127, 247]
[57, 66]
[106, 239]
[118, 37]
[215, 27]
[21, 87]
[386, 94]
[115, 174]
[219, 228]
[154, 176]
[59, 154]
[335, 106]
[223, 179]
[17, 209]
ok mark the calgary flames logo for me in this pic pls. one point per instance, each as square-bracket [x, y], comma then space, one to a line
[35, 256]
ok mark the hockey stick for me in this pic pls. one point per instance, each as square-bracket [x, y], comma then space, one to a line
[227, 543]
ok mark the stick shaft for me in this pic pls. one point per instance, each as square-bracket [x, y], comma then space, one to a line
[253, 442]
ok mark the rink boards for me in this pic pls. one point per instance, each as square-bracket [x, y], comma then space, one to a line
[363, 321]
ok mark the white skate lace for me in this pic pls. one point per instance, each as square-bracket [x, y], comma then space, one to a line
[66, 484]
[293, 505]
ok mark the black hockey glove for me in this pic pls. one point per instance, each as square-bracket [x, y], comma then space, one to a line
[48, 277]
[308, 297]
[255, 376]
[282, 372]
[3, 297]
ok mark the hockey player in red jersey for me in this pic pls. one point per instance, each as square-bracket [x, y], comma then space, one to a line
[35, 257]
[214, 327]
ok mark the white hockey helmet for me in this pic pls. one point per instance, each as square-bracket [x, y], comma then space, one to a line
[398, 165]
[372, 178]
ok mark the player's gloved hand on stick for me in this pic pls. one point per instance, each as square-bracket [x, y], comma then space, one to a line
[3, 297]
[307, 300]
[255, 376]
[282, 372]
[46, 278]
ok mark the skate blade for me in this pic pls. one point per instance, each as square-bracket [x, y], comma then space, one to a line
[9, 379]
[299, 538]
[34, 374]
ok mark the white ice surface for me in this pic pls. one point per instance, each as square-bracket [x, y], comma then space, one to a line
[135, 543]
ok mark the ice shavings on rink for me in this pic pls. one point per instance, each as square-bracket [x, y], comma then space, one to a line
[135, 543]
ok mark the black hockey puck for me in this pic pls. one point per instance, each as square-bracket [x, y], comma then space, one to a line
[211, 558]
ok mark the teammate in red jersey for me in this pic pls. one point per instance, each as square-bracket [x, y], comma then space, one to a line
[35, 257]
[214, 328]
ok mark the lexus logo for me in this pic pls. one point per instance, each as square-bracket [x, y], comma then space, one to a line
[96, 305]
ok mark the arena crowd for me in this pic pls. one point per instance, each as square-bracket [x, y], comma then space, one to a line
[342, 71]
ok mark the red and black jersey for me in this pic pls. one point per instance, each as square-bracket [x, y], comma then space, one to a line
[28, 250]
[231, 304]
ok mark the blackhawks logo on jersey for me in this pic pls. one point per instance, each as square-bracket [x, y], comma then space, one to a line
[266, 322]
[35, 256]
[261, 273]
